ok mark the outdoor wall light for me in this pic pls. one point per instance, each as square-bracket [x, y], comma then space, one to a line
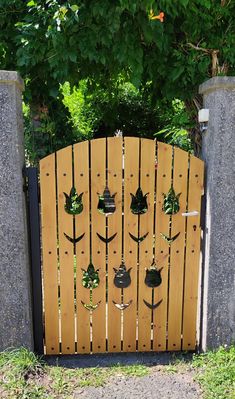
[203, 119]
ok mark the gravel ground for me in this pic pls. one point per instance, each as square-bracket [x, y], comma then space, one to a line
[156, 385]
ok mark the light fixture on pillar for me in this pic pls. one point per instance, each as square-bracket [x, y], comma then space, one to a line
[203, 119]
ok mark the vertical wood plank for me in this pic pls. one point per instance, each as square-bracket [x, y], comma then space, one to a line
[147, 181]
[49, 253]
[164, 169]
[196, 176]
[98, 223]
[131, 183]
[115, 246]
[66, 254]
[82, 225]
[180, 179]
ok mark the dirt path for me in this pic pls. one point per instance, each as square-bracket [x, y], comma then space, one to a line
[159, 385]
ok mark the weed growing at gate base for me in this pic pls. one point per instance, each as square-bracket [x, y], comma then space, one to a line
[25, 376]
[216, 373]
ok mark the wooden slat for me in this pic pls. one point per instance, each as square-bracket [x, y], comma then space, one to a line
[181, 305]
[131, 183]
[180, 179]
[164, 169]
[115, 246]
[49, 252]
[66, 254]
[82, 225]
[196, 176]
[147, 181]
[98, 223]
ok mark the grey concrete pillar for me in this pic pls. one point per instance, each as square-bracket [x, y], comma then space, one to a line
[15, 285]
[218, 326]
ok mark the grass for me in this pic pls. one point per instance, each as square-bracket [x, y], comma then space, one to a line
[216, 373]
[25, 376]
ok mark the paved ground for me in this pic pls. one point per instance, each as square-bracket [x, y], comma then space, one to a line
[156, 385]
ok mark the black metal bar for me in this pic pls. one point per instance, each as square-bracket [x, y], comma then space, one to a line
[35, 254]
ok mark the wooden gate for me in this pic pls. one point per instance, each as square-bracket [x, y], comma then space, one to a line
[121, 246]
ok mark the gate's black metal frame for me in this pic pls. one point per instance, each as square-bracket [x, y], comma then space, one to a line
[33, 203]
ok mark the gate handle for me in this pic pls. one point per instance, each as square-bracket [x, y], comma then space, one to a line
[193, 213]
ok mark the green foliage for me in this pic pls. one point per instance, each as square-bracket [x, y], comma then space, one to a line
[99, 111]
[177, 122]
[216, 373]
[90, 277]
[171, 202]
[52, 42]
[73, 202]
[82, 113]
[93, 111]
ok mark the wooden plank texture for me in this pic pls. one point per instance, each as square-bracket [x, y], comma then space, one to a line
[115, 246]
[164, 170]
[180, 179]
[196, 176]
[90, 166]
[147, 181]
[131, 183]
[82, 225]
[66, 253]
[98, 225]
[49, 253]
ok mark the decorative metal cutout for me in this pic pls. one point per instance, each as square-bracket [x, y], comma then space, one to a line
[122, 306]
[153, 276]
[108, 239]
[73, 202]
[138, 239]
[170, 240]
[122, 277]
[154, 305]
[139, 204]
[91, 281]
[74, 240]
[106, 204]
[171, 202]
[90, 277]
[90, 306]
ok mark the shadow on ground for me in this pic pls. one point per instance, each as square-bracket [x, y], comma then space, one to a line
[123, 359]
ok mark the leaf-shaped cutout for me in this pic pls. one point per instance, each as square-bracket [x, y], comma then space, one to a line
[138, 239]
[90, 277]
[170, 240]
[154, 305]
[106, 204]
[171, 202]
[73, 202]
[139, 203]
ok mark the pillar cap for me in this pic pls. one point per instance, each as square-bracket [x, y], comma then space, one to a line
[11, 78]
[217, 83]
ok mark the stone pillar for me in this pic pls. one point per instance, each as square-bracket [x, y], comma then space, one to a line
[15, 284]
[218, 312]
